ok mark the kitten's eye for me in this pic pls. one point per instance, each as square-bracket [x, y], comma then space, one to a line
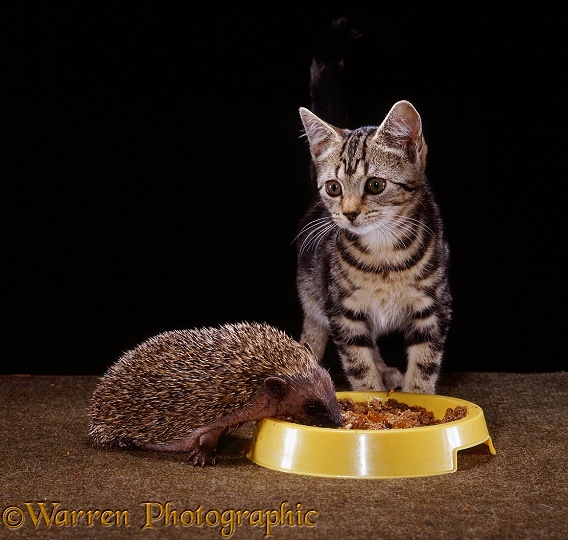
[333, 188]
[375, 185]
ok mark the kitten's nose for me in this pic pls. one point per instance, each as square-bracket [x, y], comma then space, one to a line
[351, 216]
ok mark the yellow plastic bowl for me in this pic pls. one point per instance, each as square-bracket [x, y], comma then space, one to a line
[357, 453]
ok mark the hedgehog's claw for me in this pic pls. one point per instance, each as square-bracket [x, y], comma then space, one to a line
[200, 458]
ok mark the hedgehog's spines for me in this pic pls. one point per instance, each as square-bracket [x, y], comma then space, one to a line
[179, 380]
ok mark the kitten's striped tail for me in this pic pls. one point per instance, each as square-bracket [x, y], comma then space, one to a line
[326, 73]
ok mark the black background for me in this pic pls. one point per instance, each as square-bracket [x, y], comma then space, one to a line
[155, 173]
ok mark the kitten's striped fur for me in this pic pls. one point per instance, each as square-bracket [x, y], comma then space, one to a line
[372, 258]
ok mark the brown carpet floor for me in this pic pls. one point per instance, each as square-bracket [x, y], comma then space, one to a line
[50, 473]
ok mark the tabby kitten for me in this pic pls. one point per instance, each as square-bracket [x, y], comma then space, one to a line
[372, 258]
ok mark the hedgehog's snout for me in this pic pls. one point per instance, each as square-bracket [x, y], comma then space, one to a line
[331, 421]
[336, 420]
[334, 415]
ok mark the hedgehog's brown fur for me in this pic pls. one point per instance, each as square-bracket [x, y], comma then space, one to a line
[178, 381]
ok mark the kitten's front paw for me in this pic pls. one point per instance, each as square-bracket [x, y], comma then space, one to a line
[419, 387]
[361, 385]
[393, 378]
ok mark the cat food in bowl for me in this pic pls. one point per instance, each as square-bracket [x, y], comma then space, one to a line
[386, 450]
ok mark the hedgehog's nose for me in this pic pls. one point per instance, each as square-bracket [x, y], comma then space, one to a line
[351, 216]
[331, 423]
[332, 419]
[337, 420]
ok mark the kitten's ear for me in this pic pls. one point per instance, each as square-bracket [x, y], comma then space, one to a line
[403, 128]
[321, 135]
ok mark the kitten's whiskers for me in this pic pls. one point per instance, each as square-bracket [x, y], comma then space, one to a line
[310, 225]
[413, 222]
[315, 231]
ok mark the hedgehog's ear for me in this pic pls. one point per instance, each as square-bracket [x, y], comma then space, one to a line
[276, 386]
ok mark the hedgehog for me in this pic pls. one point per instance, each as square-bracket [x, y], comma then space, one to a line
[181, 390]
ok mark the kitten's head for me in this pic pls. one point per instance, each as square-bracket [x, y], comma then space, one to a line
[367, 176]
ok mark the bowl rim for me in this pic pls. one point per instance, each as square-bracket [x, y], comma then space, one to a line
[471, 408]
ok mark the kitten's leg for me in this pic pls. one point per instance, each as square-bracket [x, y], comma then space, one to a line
[366, 370]
[424, 356]
[423, 369]
[360, 367]
[315, 333]
[360, 357]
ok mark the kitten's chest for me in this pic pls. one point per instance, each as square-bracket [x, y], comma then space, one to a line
[369, 290]
[383, 283]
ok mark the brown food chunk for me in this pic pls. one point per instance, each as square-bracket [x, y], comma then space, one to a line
[391, 414]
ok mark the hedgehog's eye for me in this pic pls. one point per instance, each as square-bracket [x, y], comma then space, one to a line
[313, 407]
[375, 185]
[333, 188]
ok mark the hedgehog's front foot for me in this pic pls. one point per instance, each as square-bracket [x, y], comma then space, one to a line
[200, 458]
[204, 446]
[201, 445]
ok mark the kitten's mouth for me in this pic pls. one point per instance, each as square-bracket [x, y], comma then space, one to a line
[349, 222]
[356, 226]
[361, 228]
